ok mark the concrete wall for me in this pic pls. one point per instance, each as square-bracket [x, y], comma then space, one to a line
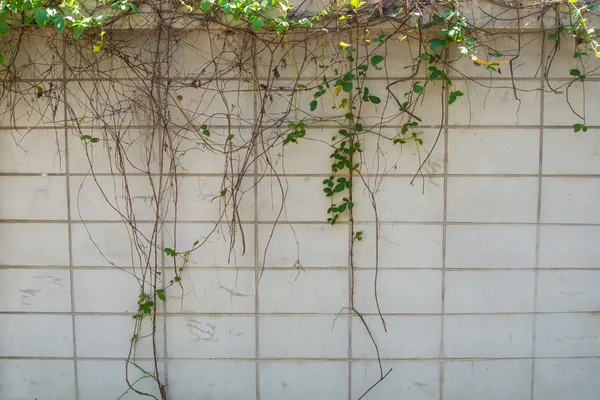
[489, 262]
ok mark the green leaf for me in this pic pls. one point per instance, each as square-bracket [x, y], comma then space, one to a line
[4, 28]
[313, 105]
[347, 87]
[376, 60]
[94, 140]
[358, 127]
[59, 23]
[435, 43]
[374, 99]
[257, 24]
[77, 31]
[41, 16]
[575, 72]
[205, 5]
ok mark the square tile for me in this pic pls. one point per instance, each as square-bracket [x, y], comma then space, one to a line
[112, 198]
[17, 240]
[27, 110]
[492, 199]
[399, 200]
[108, 290]
[227, 380]
[35, 335]
[490, 246]
[490, 380]
[411, 291]
[135, 146]
[35, 290]
[489, 291]
[196, 155]
[308, 245]
[567, 335]
[199, 199]
[558, 379]
[381, 156]
[568, 291]
[309, 156]
[524, 48]
[98, 380]
[29, 152]
[293, 199]
[210, 337]
[109, 244]
[567, 152]
[569, 246]
[488, 336]
[559, 110]
[406, 337]
[407, 380]
[230, 245]
[297, 291]
[304, 380]
[311, 337]
[33, 197]
[493, 151]
[571, 200]
[109, 336]
[218, 102]
[211, 291]
[400, 245]
[496, 106]
[45, 379]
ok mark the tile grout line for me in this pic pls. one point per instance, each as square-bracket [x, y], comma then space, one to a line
[69, 227]
[341, 360]
[257, 269]
[163, 258]
[349, 314]
[299, 314]
[444, 233]
[309, 222]
[538, 226]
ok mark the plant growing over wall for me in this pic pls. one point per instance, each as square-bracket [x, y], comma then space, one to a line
[344, 78]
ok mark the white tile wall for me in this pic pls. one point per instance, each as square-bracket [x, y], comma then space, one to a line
[494, 380]
[412, 380]
[301, 380]
[488, 336]
[41, 379]
[42, 336]
[488, 261]
[37, 290]
[492, 199]
[490, 246]
[489, 291]
[557, 379]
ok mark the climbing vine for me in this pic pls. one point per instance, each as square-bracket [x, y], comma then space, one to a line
[343, 82]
